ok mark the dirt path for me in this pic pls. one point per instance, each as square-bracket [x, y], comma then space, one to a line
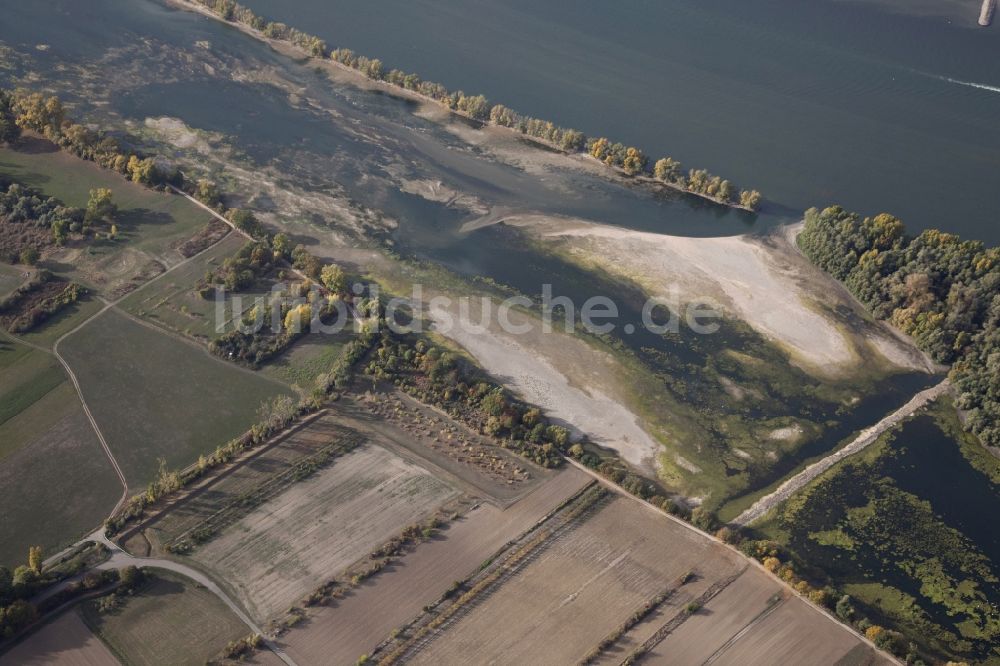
[76, 384]
[864, 439]
[120, 558]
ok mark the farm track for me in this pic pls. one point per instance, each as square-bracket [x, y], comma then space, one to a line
[526, 550]
[682, 616]
[865, 438]
[54, 351]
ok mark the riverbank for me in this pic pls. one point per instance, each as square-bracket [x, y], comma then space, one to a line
[764, 281]
[864, 439]
[359, 79]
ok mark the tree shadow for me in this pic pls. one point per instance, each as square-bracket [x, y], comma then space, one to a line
[28, 178]
[35, 145]
[133, 218]
[163, 587]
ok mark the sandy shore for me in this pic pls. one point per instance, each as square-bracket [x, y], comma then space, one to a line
[765, 281]
[577, 386]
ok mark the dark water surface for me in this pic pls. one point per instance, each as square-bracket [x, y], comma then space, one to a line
[810, 102]
[148, 61]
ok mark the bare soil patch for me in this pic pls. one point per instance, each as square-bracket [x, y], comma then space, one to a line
[280, 552]
[584, 584]
[342, 632]
[207, 236]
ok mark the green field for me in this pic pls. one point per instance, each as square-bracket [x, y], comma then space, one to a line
[151, 224]
[156, 395]
[55, 481]
[10, 278]
[28, 375]
[174, 303]
[169, 620]
[908, 529]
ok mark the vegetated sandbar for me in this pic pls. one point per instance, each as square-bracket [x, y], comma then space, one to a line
[764, 281]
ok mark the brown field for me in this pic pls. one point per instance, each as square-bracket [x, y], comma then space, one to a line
[340, 634]
[66, 641]
[585, 582]
[797, 634]
[212, 495]
[318, 527]
[754, 620]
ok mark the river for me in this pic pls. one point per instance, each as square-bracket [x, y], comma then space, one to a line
[812, 103]
[326, 141]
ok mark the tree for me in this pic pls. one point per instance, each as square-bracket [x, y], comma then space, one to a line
[282, 245]
[246, 221]
[35, 112]
[494, 403]
[750, 199]
[9, 131]
[143, 171]
[634, 162]
[6, 585]
[572, 140]
[306, 262]
[333, 278]
[35, 558]
[845, 609]
[295, 317]
[207, 192]
[667, 169]
[599, 148]
[24, 575]
[100, 206]
[130, 576]
[476, 106]
[725, 192]
[29, 256]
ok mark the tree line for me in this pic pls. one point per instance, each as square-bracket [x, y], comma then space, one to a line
[440, 377]
[36, 301]
[20, 586]
[24, 110]
[629, 159]
[941, 290]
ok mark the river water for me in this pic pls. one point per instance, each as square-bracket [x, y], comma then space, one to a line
[147, 60]
[871, 105]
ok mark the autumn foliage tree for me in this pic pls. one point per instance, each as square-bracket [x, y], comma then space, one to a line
[939, 289]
